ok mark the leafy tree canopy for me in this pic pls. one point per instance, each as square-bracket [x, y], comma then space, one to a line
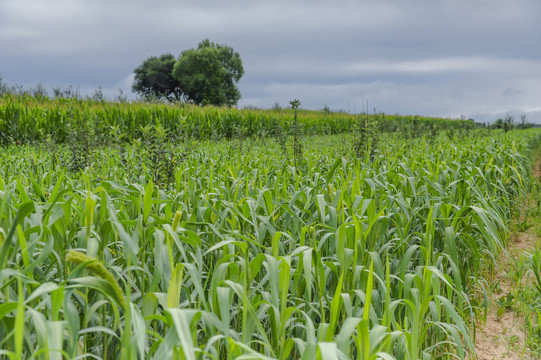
[154, 78]
[209, 73]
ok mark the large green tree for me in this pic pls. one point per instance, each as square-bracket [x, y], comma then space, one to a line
[209, 73]
[154, 78]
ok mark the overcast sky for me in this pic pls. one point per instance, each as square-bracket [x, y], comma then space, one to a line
[452, 58]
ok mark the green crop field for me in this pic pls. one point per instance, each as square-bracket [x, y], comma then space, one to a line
[26, 120]
[131, 231]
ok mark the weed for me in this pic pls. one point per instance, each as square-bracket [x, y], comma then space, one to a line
[159, 154]
[81, 143]
[298, 157]
[366, 136]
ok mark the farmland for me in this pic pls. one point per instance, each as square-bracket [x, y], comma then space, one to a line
[151, 231]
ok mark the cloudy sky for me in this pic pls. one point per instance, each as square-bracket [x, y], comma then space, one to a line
[452, 58]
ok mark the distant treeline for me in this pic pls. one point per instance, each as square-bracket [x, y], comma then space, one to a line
[27, 119]
[509, 122]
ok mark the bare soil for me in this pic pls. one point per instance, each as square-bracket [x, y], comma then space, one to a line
[537, 170]
[503, 336]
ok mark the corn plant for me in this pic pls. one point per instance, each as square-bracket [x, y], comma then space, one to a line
[243, 257]
[26, 119]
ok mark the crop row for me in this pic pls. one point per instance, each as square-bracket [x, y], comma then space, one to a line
[24, 120]
[247, 257]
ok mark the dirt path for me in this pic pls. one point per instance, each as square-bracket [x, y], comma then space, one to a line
[537, 170]
[503, 335]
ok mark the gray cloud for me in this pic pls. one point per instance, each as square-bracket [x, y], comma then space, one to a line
[472, 58]
[511, 91]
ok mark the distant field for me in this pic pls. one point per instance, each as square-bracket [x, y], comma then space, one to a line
[152, 231]
[24, 120]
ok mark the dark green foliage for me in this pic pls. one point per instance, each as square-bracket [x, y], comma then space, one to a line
[160, 154]
[296, 132]
[498, 124]
[154, 78]
[81, 144]
[66, 93]
[508, 122]
[98, 95]
[523, 124]
[366, 136]
[209, 73]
